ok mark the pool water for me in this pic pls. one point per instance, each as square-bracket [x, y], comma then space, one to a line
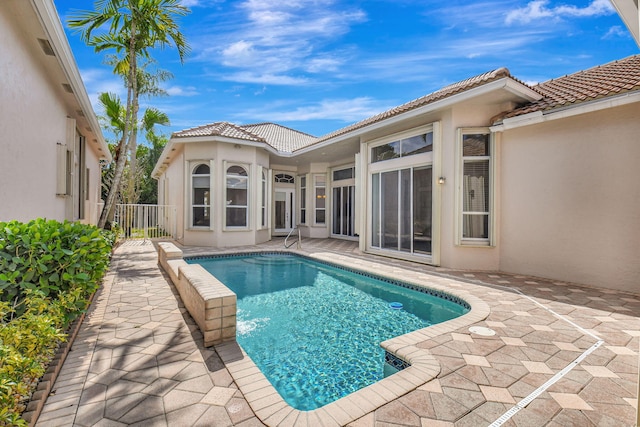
[315, 330]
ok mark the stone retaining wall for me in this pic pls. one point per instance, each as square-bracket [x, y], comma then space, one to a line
[211, 304]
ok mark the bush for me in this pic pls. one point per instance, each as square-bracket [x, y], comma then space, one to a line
[48, 270]
[51, 257]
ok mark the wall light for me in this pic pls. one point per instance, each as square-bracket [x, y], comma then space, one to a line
[442, 180]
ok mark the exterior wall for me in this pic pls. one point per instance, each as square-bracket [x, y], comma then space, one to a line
[32, 121]
[94, 176]
[571, 199]
[174, 189]
[36, 115]
[454, 255]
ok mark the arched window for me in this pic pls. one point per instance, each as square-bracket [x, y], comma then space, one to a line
[201, 196]
[237, 197]
[284, 178]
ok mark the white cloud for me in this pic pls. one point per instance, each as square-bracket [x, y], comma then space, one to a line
[539, 9]
[345, 110]
[264, 78]
[276, 39]
[182, 91]
[97, 81]
[616, 32]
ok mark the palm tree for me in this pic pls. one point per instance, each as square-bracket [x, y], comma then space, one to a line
[134, 27]
[114, 119]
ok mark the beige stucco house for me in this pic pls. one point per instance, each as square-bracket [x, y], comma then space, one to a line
[488, 173]
[50, 138]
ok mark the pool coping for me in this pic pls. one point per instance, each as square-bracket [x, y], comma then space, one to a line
[272, 409]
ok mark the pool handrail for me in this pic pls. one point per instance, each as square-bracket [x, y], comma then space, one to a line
[299, 245]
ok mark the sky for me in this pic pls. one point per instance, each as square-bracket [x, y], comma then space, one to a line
[320, 65]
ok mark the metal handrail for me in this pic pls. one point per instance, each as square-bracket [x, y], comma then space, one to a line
[299, 246]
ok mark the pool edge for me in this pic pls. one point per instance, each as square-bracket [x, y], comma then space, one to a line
[272, 410]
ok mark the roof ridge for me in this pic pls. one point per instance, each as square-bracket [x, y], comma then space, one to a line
[279, 125]
[441, 93]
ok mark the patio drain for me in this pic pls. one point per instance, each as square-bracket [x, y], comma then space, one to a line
[483, 331]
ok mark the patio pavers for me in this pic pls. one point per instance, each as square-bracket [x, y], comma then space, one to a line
[139, 359]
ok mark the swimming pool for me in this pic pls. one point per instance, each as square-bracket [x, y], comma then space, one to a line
[314, 329]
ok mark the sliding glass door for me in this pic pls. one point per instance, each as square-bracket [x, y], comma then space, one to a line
[401, 210]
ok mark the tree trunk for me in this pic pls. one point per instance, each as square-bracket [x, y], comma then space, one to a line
[130, 121]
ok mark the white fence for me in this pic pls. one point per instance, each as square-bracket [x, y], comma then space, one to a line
[145, 221]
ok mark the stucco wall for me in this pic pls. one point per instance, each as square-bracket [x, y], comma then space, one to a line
[571, 199]
[35, 114]
[177, 178]
[32, 120]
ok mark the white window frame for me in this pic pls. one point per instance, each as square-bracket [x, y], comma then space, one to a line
[302, 199]
[263, 214]
[193, 165]
[460, 214]
[316, 198]
[247, 169]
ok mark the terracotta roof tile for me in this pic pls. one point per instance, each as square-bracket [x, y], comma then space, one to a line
[280, 137]
[598, 82]
[224, 129]
[445, 92]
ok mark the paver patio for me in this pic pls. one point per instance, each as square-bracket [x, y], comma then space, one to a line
[139, 359]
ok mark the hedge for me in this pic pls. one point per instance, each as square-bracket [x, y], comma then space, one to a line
[48, 271]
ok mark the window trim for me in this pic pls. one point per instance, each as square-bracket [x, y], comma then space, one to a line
[263, 179]
[422, 130]
[247, 169]
[460, 240]
[193, 165]
[302, 199]
[315, 200]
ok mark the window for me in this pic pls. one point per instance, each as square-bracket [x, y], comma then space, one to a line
[476, 195]
[342, 174]
[201, 196]
[284, 178]
[403, 148]
[303, 200]
[263, 207]
[237, 197]
[321, 198]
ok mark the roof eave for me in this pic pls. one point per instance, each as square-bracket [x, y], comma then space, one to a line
[158, 170]
[48, 16]
[506, 83]
[567, 111]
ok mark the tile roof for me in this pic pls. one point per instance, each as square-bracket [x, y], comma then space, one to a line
[445, 92]
[599, 82]
[281, 138]
[606, 80]
[224, 129]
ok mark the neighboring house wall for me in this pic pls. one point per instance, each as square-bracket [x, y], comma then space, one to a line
[571, 199]
[32, 122]
[50, 140]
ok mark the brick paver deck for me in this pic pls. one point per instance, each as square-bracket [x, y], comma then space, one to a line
[139, 359]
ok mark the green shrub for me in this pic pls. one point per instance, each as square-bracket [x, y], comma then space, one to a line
[48, 270]
[52, 257]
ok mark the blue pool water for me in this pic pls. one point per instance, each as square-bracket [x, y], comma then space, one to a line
[315, 330]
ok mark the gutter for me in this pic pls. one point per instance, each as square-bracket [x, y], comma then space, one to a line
[563, 112]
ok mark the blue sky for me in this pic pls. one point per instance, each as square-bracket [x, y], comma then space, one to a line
[319, 65]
